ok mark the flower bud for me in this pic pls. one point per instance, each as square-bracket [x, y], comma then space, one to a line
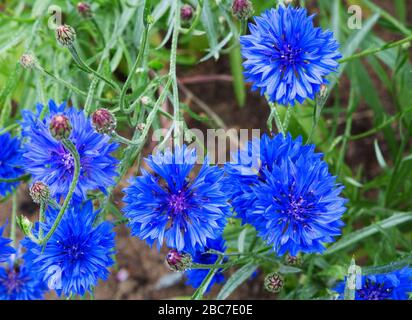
[60, 127]
[84, 10]
[40, 192]
[65, 35]
[186, 12]
[25, 224]
[145, 100]
[28, 61]
[178, 261]
[103, 121]
[293, 260]
[242, 9]
[141, 126]
[323, 91]
[273, 282]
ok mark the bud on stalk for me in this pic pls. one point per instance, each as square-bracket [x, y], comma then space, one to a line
[60, 127]
[274, 282]
[40, 192]
[178, 261]
[104, 121]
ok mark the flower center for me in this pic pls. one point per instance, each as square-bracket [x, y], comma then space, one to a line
[74, 251]
[296, 209]
[68, 161]
[287, 54]
[177, 203]
[374, 291]
[13, 283]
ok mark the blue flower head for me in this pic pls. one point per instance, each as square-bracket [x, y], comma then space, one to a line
[5, 249]
[10, 162]
[195, 277]
[286, 57]
[396, 285]
[290, 197]
[174, 204]
[79, 252]
[18, 281]
[48, 160]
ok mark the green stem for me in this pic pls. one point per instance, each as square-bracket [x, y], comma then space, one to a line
[172, 74]
[83, 66]
[388, 18]
[121, 139]
[289, 111]
[70, 86]
[73, 151]
[138, 62]
[274, 115]
[376, 50]
[25, 177]
[13, 220]
[99, 31]
[41, 219]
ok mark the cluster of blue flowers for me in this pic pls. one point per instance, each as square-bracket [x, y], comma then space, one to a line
[396, 285]
[277, 184]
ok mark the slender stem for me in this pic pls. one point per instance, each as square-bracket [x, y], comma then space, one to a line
[172, 74]
[41, 218]
[83, 66]
[289, 111]
[70, 86]
[25, 177]
[274, 115]
[138, 62]
[376, 50]
[73, 151]
[121, 139]
[13, 220]
[99, 31]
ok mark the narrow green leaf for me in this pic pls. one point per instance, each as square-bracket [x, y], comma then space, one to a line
[236, 280]
[356, 236]
[353, 274]
[198, 295]
[379, 156]
[237, 73]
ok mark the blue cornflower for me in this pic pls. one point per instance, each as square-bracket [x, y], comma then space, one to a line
[5, 249]
[284, 189]
[195, 277]
[396, 285]
[79, 252]
[168, 204]
[286, 57]
[20, 283]
[10, 162]
[48, 160]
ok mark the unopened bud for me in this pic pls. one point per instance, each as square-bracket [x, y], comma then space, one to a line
[25, 224]
[84, 10]
[323, 90]
[274, 282]
[293, 260]
[40, 192]
[141, 126]
[104, 121]
[65, 35]
[186, 12]
[145, 100]
[60, 127]
[242, 9]
[178, 261]
[28, 61]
